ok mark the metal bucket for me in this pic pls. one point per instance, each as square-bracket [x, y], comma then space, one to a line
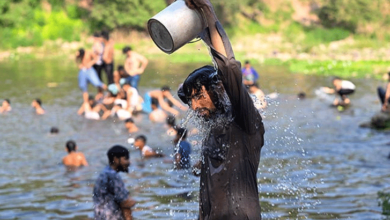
[175, 26]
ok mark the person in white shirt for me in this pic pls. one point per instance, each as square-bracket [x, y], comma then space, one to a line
[146, 151]
[343, 88]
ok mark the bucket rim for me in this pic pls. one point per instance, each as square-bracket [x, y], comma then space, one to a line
[150, 22]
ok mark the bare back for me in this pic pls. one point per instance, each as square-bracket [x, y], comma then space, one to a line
[75, 159]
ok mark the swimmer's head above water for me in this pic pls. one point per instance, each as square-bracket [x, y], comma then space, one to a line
[203, 91]
[71, 146]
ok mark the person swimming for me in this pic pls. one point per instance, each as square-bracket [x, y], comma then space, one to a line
[37, 105]
[146, 151]
[5, 106]
[73, 159]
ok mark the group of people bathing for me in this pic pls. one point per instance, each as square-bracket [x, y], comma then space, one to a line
[36, 104]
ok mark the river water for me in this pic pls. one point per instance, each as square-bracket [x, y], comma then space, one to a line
[317, 163]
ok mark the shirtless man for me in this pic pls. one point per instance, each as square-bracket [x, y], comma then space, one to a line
[37, 104]
[160, 95]
[6, 106]
[73, 159]
[87, 74]
[135, 65]
[108, 57]
[157, 115]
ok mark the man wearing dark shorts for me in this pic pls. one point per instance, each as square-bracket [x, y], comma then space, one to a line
[108, 57]
[234, 129]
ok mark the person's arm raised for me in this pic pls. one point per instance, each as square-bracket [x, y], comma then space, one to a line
[211, 19]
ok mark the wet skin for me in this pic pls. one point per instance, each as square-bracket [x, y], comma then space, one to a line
[202, 104]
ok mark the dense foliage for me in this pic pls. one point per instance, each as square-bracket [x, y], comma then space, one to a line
[32, 22]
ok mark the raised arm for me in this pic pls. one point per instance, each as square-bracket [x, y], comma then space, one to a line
[211, 19]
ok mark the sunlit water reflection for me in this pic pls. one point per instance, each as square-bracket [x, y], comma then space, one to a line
[316, 162]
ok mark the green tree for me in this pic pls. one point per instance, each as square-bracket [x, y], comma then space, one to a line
[123, 14]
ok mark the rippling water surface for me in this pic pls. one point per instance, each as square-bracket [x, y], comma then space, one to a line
[316, 162]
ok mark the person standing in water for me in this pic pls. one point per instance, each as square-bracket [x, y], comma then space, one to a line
[384, 95]
[135, 65]
[234, 137]
[108, 57]
[249, 74]
[111, 199]
[73, 159]
[87, 74]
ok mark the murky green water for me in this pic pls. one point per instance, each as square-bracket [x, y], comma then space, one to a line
[316, 163]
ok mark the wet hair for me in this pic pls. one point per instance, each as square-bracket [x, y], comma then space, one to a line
[80, 57]
[205, 76]
[126, 49]
[96, 34]
[129, 120]
[142, 138]
[154, 101]
[91, 98]
[120, 68]
[171, 120]
[38, 100]
[182, 132]
[105, 35]
[8, 101]
[336, 78]
[165, 88]
[301, 95]
[54, 130]
[117, 151]
[71, 145]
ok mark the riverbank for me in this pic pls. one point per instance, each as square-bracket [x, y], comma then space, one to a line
[351, 57]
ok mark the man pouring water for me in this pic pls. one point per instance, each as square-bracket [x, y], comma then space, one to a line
[232, 145]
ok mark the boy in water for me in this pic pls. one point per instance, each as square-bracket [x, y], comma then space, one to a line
[249, 74]
[146, 151]
[130, 126]
[182, 150]
[37, 105]
[5, 106]
[73, 159]
[157, 115]
[343, 88]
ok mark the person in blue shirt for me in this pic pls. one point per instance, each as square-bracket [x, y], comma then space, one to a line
[182, 150]
[249, 75]
[111, 199]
